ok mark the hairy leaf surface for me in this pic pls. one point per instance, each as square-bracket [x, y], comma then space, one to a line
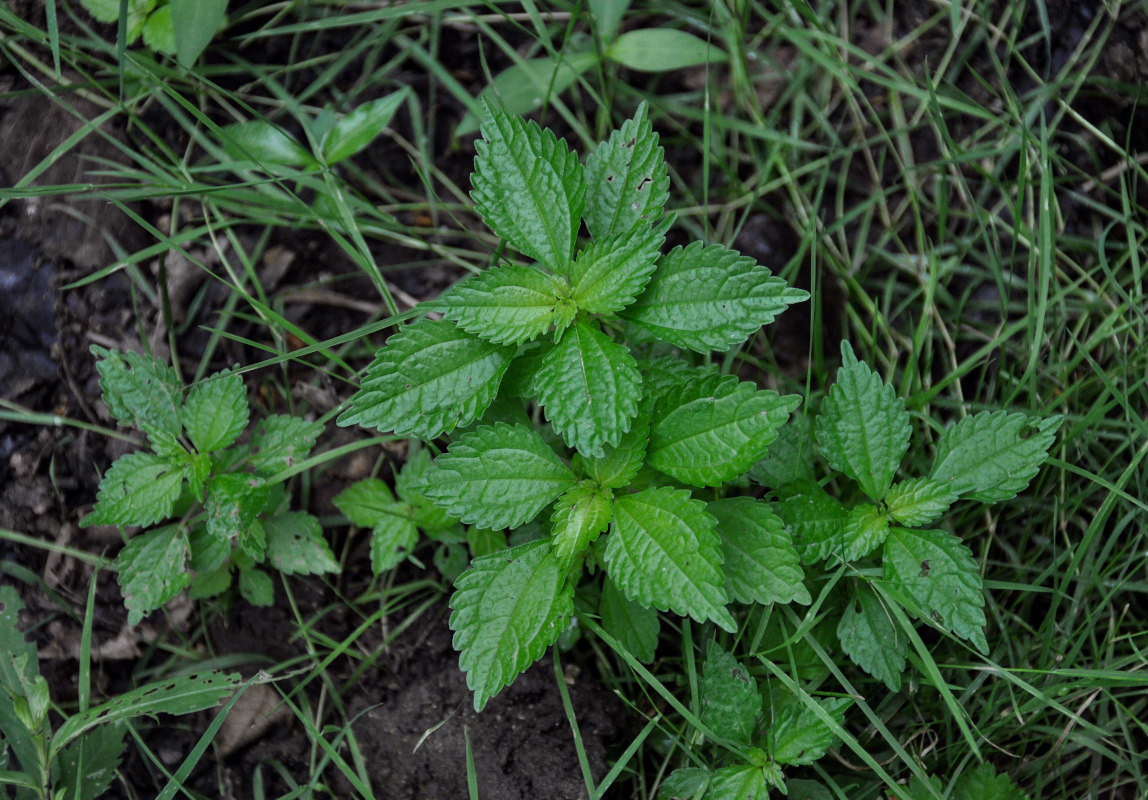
[707, 298]
[507, 609]
[988, 457]
[508, 305]
[863, 429]
[429, 378]
[590, 387]
[626, 179]
[663, 552]
[871, 638]
[761, 565]
[938, 573]
[498, 476]
[528, 187]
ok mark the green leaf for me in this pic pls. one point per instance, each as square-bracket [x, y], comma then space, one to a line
[264, 143]
[610, 273]
[590, 387]
[392, 540]
[814, 521]
[109, 11]
[508, 305]
[742, 782]
[871, 638]
[528, 187]
[18, 668]
[634, 625]
[409, 486]
[138, 489]
[938, 573]
[526, 85]
[215, 412]
[195, 23]
[863, 430]
[865, 531]
[761, 565]
[359, 128]
[507, 609]
[580, 515]
[714, 429]
[88, 766]
[366, 503]
[918, 501]
[663, 552]
[988, 457]
[256, 587]
[233, 501]
[627, 182]
[684, 783]
[619, 463]
[140, 392]
[152, 570]
[429, 378]
[483, 542]
[788, 459]
[985, 783]
[707, 298]
[798, 735]
[278, 442]
[730, 700]
[662, 50]
[295, 545]
[205, 585]
[159, 31]
[607, 16]
[498, 476]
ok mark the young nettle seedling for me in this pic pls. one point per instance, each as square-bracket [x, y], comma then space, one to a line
[230, 513]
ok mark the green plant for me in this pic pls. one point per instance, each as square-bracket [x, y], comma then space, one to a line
[642, 443]
[229, 506]
[181, 28]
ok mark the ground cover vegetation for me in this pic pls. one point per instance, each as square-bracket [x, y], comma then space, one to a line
[773, 371]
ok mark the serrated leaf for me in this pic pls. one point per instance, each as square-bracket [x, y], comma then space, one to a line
[788, 459]
[712, 430]
[394, 532]
[359, 128]
[295, 545]
[431, 377]
[138, 489]
[619, 463]
[662, 50]
[610, 273]
[988, 458]
[761, 565]
[863, 429]
[215, 412]
[498, 477]
[409, 486]
[662, 551]
[684, 783]
[509, 304]
[152, 569]
[865, 531]
[256, 587]
[528, 187]
[233, 501]
[18, 667]
[634, 625]
[589, 387]
[159, 31]
[580, 515]
[814, 521]
[798, 735]
[627, 183]
[730, 700]
[391, 541]
[279, 442]
[367, 502]
[707, 298]
[918, 501]
[88, 766]
[140, 392]
[938, 573]
[742, 782]
[984, 783]
[506, 610]
[871, 638]
[265, 143]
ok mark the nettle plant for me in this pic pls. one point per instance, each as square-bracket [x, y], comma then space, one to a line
[228, 508]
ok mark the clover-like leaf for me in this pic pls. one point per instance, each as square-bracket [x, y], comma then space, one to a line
[589, 387]
[215, 412]
[863, 430]
[509, 304]
[138, 489]
[662, 551]
[627, 182]
[429, 378]
[712, 430]
[152, 569]
[497, 476]
[506, 610]
[528, 187]
[938, 573]
[730, 700]
[707, 298]
[988, 457]
[761, 565]
[871, 638]
[610, 273]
